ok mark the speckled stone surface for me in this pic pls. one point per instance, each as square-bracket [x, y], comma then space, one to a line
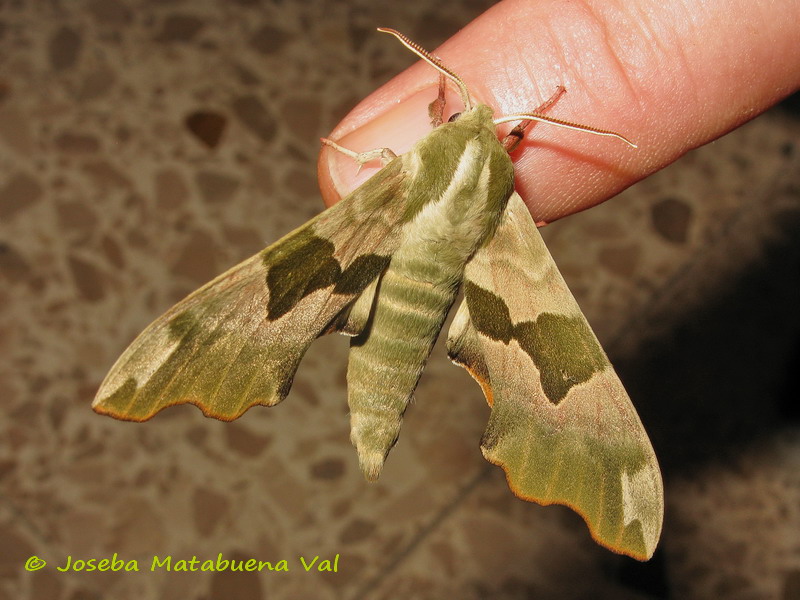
[146, 146]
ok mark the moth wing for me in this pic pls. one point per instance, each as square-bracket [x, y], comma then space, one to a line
[237, 341]
[561, 426]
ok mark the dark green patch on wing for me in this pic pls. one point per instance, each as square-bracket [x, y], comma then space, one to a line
[310, 267]
[181, 324]
[564, 350]
[360, 273]
[562, 347]
[489, 313]
[306, 266]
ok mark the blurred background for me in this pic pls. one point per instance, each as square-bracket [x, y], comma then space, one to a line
[146, 146]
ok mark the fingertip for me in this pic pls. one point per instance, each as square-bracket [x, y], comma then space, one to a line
[327, 187]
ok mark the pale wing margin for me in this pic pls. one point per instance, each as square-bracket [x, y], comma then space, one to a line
[237, 341]
[561, 425]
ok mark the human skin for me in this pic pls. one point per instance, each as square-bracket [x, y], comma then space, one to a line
[671, 75]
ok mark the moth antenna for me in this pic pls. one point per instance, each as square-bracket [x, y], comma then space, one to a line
[434, 62]
[566, 124]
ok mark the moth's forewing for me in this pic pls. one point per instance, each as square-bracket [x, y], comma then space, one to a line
[237, 341]
[561, 425]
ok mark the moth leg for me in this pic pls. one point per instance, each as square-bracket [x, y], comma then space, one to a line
[436, 108]
[514, 137]
[385, 154]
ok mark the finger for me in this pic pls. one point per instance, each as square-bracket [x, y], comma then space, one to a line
[670, 75]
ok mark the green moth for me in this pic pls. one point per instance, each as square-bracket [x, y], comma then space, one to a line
[384, 266]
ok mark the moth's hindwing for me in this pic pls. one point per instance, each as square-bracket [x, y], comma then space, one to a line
[561, 426]
[237, 341]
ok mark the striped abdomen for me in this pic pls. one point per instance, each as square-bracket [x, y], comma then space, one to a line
[385, 364]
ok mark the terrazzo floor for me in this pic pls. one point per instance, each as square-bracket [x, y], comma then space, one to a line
[146, 146]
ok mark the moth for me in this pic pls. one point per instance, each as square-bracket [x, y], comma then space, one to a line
[384, 266]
